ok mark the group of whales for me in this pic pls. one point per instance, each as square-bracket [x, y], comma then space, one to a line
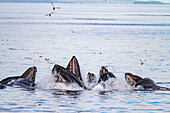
[71, 74]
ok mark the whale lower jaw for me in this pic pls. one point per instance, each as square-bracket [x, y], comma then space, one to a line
[61, 74]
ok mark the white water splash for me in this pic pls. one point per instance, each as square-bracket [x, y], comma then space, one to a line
[113, 84]
[48, 83]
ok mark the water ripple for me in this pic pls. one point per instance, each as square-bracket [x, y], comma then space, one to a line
[76, 23]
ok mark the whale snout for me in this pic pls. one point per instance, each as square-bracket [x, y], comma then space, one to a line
[30, 74]
[132, 79]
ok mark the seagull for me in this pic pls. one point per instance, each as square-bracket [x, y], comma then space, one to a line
[142, 62]
[49, 14]
[73, 31]
[54, 7]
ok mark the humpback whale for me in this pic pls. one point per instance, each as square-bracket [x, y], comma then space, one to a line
[27, 79]
[105, 74]
[73, 66]
[91, 80]
[145, 83]
[68, 75]
[132, 79]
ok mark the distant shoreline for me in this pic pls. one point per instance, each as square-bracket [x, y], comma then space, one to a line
[65, 1]
[33, 1]
[149, 2]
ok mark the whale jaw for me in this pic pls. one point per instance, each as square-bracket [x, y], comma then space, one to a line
[61, 74]
[30, 74]
[73, 66]
[132, 79]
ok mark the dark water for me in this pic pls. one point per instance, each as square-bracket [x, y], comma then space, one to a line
[117, 36]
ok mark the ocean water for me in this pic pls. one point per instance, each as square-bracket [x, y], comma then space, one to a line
[112, 35]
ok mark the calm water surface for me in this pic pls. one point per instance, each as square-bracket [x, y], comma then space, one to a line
[114, 35]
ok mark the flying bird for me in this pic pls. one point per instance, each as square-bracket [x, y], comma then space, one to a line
[142, 62]
[73, 31]
[54, 6]
[49, 14]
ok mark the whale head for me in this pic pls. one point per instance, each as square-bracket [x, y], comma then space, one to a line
[132, 79]
[30, 74]
[103, 70]
[91, 77]
[73, 66]
[60, 74]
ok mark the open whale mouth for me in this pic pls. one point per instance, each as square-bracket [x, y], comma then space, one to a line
[73, 66]
[30, 74]
[103, 70]
[90, 75]
[132, 79]
[69, 74]
[59, 74]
